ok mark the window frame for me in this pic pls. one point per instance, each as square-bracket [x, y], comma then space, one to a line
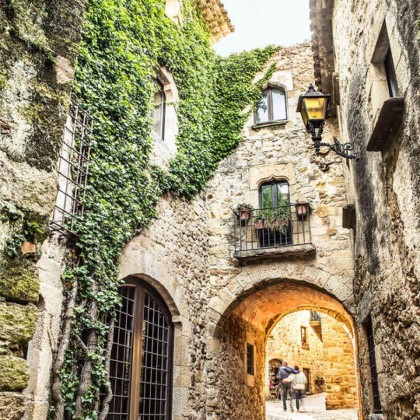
[274, 193]
[269, 89]
[136, 352]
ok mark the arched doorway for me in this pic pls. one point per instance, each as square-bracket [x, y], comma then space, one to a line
[252, 315]
[141, 357]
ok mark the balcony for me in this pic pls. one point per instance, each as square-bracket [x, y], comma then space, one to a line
[278, 232]
[316, 323]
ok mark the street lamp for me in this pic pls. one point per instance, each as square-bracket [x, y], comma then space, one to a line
[312, 105]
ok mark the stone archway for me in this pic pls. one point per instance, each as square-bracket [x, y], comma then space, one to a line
[245, 323]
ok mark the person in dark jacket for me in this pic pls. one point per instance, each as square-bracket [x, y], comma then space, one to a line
[286, 387]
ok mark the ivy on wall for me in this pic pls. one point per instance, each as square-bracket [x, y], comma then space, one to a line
[123, 42]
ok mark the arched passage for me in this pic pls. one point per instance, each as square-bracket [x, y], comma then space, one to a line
[241, 332]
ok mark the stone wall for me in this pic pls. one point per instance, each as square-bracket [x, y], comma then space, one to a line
[339, 365]
[38, 48]
[385, 187]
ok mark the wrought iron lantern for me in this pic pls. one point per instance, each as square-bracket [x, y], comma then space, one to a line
[313, 105]
[302, 209]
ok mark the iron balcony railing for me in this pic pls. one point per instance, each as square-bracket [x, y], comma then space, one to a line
[274, 227]
[315, 317]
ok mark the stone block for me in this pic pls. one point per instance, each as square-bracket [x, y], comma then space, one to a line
[14, 373]
[12, 406]
[19, 281]
[17, 322]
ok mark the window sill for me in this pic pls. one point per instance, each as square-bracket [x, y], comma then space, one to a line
[387, 126]
[269, 124]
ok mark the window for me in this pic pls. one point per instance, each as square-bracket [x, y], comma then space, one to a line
[274, 194]
[275, 211]
[250, 359]
[303, 336]
[272, 106]
[159, 111]
[391, 77]
[141, 357]
[377, 407]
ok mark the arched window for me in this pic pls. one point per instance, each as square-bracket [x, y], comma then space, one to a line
[159, 111]
[141, 357]
[274, 194]
[272, 106]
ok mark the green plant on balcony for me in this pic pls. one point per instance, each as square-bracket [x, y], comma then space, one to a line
[276, 218]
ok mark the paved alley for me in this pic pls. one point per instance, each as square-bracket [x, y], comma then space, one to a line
[313, 408]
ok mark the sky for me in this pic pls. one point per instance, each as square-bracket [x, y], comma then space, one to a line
[262, 22]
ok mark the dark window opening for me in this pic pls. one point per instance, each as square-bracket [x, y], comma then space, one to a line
[159, 110]
[250, 359]
[272, 106]
[141, 357]
[391, 77]
[377, 407]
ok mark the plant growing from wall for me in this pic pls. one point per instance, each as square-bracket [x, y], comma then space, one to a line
[123, 41]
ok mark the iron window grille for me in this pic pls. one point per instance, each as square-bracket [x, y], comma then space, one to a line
[377, 406]
[72, 170]
[141, 356]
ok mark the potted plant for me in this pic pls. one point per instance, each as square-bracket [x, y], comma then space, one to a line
[243, 212]
[261, 220]
[302, 209]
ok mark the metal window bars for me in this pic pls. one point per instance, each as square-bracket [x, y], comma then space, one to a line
[72, 170]
[271, 228]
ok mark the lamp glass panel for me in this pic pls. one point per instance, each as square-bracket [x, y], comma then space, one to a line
[315, 108]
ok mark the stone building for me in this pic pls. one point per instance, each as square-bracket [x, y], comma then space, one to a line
[207, 281]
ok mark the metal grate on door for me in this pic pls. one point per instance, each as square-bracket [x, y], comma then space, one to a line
[155, 362]
[121, 357]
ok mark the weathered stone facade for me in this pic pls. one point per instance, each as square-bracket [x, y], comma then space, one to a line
[218, 305]
[39, 43]
[384, 185]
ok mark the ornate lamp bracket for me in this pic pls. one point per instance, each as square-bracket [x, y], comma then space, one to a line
[342, 149]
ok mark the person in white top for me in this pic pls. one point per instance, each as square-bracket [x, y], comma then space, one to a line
[299, 385]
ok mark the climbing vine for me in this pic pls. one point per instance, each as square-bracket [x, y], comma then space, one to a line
[123, 42]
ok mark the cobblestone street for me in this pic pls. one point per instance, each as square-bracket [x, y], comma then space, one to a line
[313, 408]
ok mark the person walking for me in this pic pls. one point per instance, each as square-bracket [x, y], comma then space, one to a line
[285, 376]
[299, 385]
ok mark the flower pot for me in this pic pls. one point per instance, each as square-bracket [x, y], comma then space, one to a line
[260, 224]
[244, 215]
